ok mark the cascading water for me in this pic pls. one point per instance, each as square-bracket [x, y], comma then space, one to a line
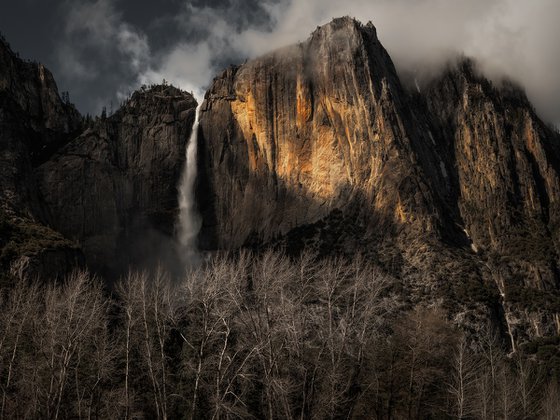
[189, 219]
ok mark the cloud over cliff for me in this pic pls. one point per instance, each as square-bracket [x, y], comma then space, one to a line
[187, 42]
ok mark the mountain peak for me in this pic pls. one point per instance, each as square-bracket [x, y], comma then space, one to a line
[345, 24]
[466, 77]
[337, 102]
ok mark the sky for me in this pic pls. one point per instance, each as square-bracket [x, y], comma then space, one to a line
[102, 50]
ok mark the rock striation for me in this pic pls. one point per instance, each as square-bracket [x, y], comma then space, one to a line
[308, 129]
[503, 170]
[501, 162]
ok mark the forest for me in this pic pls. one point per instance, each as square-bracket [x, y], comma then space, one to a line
[254, 336]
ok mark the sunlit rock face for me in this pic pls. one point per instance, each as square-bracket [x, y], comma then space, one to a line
[114, 188]
[454, 186]
[314, 127]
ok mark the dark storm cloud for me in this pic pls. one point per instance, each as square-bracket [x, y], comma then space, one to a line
[210, 40]
[102, 49]
[100, 53]
[111, 47]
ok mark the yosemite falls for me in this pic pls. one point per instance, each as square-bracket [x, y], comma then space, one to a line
[189, 221]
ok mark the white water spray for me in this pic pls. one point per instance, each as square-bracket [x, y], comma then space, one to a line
[189, 219]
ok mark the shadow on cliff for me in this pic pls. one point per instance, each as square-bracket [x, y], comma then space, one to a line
[429, 263]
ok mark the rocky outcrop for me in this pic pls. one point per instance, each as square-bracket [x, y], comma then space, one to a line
[502, 163]
[454, 190]
[34, 122]
[35, 95]
[113, 188]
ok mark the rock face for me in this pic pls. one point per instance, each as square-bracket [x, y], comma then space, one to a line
[35, 95]
[319, 126]
[113, 188]
[455, 189]
[502, 164]
[503, 178]
[34, 121]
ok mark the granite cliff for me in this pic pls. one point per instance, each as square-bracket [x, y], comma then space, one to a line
[311, 128]
[34, 121]
[454, 189]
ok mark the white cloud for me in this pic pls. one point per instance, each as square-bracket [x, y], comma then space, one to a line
[133, 45]
[187, 66]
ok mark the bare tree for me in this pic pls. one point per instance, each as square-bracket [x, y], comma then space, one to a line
[463, 379]
[506, 392]
[528, 384]
[245, 335]
[495, 396]
[67, 330]
[15, 320]
[148, 304]
[126, 292]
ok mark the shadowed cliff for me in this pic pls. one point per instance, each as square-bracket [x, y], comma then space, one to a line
[114, 188]
[73, 191]
[34, 122]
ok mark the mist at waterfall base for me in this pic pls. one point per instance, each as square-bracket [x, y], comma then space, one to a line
[189, 221]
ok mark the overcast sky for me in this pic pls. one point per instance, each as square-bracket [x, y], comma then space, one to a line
[100, 50]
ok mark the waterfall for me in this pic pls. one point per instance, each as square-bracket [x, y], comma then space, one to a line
[189, 219]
